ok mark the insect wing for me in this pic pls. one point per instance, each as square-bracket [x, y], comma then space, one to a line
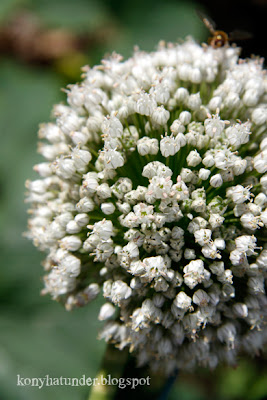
[209, 23]
[239, 35]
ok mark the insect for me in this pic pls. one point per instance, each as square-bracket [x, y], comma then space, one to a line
[221, 38]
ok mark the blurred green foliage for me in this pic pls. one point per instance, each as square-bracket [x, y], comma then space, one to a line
[37, 336]
[78, 15]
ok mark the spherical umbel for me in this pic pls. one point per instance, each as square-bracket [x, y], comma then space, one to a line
[154, 192]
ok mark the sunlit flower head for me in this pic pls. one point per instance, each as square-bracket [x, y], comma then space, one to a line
[154, 193]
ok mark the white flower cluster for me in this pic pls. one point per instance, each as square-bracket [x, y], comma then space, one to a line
[154, 189]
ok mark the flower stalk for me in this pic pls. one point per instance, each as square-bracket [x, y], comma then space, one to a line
[113, 365]
[119, 378]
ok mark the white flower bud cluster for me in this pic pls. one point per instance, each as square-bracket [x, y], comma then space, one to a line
[154, 189]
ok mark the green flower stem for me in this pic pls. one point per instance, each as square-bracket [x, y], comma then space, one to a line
[228, 213]
[113, 364]
[121, 364]
[168, 386]
[94, 152]
[231, 221]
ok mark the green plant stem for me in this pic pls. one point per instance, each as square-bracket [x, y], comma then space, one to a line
[168, 386]
[122, 365]
[112, 365]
